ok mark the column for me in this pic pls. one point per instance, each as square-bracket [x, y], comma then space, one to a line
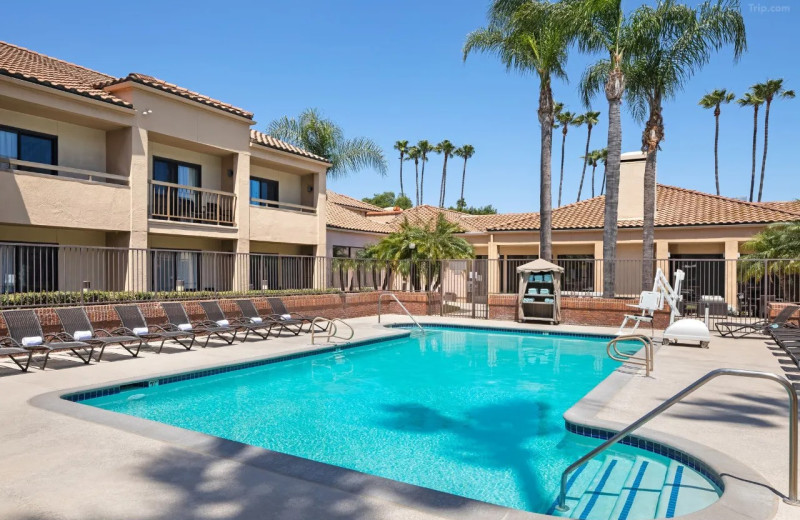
[731, 285]
[321, 249]
[598, 267]
[662, 256]
[240, 165]
[493, 270]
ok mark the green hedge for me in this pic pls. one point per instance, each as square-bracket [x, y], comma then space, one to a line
[50, 298]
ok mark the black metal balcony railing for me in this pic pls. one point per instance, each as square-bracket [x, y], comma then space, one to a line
[181, 203]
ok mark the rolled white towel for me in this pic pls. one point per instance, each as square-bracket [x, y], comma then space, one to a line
[256, 320]
[81, 335]
[185, 326]
[140, 330]
[223, 323]
[31, 341]
[286, 316]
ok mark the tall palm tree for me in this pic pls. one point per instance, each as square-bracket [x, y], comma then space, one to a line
[592, 158]
[465, 152]
[445, 148]
[424, 148]
[602, 156]
[325, 138]
[413, 154]
[531, 36]
[751, 99]
[767, 91]
[402, 147]
[669, 43]
[714, 100]
[565, 119]
[591, 119]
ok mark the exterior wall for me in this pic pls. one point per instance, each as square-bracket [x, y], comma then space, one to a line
[289, 184]
[345, 238]
[631, 186]
[277, 225]
[279, 248]
[54, 235]
[196, 243]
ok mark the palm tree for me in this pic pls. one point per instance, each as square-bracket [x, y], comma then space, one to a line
[445, 148]
[751, 99]
[714, 100]
[424, 148]
[591, 119]
[402, 147]
[325, 138]
[669, 43]
[603, 157]
[413, 154]
[592, 158]
[767, 91]
[465, 152]
[564, 120]
[531, 36]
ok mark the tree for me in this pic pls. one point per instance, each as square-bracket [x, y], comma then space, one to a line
[402, 147]
[387, 199]
[591, 119]
[323, 137]
[776, 241]
[461, 206]
[424, 148]
[603, 157]
[714, 100]
[592, 159]
[751, 99]
[668, 43]
[531, 36]
[446, 148]
[767, 91]
[565, 119]
[413, 155]
[465, 152]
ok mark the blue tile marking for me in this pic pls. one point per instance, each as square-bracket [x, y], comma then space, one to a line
[597, 491]
[673, 497]
[516, 330]
[570, 481]
[626, 509]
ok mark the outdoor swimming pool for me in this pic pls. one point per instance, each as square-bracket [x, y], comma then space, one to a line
[477, 413]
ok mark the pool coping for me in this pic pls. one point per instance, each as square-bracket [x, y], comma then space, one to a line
[746, 495]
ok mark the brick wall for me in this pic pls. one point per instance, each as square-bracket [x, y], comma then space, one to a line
[774, 308]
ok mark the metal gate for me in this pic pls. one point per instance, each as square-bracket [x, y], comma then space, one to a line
[465, 288]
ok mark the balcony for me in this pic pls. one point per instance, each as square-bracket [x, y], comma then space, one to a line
[286, 206]
[180, 203]
[276, 221]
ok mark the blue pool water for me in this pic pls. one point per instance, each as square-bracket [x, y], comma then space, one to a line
[472, 412]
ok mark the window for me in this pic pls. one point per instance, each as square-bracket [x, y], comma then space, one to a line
[176, 202]
[347, 252]
[28, 268]
[170, 266]
[263, 189]
[29, 146]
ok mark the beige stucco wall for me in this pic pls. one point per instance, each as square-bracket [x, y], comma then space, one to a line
[350, 239]
[289, 184]
[279, 248]
[78, 146]
[277, 225]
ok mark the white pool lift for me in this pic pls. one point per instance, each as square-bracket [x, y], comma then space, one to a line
[682, 330]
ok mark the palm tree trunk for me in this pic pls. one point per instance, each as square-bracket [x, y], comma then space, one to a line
[444, 181]
[764, 157]
[614, 89]
[463, 178]
[716, 148]
[603, 184]
[652, 136]
[422, 181]
[402, 191]
[755, 134]
[585, 161]
[594, 167]
[545, 173]
[416, 173]
[561, 178]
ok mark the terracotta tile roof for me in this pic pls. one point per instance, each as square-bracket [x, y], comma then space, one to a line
[792, 206]
[28, 65]
[424, 214]
[270, 142]
[676, 207]
[485, 222]
[340, 217]
[344, 200]
[171, 88]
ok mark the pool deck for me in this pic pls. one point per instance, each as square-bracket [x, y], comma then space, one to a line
[63, 460]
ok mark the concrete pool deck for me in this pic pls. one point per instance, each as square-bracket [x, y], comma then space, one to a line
[75, 465]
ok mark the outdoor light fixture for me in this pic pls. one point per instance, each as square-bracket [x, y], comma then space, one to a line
[230, 173]
[179, 286]
[264, 286]
[412, 246]
[309, 188]
[147, 112]
[86, 285]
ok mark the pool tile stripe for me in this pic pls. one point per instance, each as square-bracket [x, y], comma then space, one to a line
[515, 330]
[597, 490]
[570, 481]
[673, 497]
[637, 482]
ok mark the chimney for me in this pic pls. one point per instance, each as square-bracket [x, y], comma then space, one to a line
[631, 186]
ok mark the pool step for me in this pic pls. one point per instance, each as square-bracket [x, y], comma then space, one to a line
[623, 488]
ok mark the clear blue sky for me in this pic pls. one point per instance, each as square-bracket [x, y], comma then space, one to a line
[391, 71]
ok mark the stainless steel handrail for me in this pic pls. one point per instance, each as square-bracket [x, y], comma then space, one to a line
[332, 330]
[646, 361]
[394, 297]
[792, 498]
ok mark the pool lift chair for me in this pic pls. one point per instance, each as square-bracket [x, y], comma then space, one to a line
[664, 293]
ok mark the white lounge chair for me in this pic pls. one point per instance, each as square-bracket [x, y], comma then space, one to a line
[649, 303]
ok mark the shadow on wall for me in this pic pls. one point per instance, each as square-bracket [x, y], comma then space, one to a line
[14, 210]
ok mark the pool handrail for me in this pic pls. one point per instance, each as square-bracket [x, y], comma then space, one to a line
[646, 361]
[331, 329]
[793, 418]
[394, 297]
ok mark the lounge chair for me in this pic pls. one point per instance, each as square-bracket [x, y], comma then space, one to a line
[25, 332]
[177, 316]
[649, 303]
[78, 327]
[133, 323]
[789, 341]
[280, 313]
[214, 313]
[250, 312]
[740, 330]
[10, 352]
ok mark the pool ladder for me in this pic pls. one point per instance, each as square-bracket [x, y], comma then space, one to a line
[791, 499]
[394, 297]
[646, 361]
[330, 328]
